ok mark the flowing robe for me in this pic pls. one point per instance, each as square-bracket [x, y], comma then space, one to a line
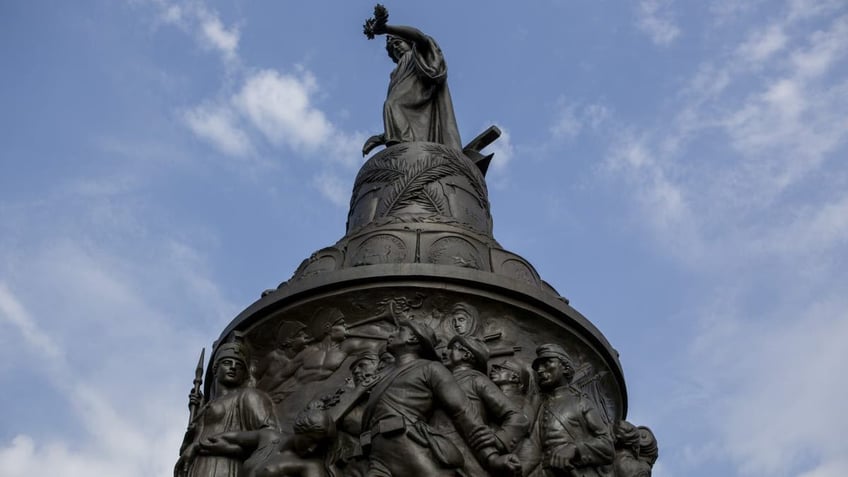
[418, 105]
[243, 409]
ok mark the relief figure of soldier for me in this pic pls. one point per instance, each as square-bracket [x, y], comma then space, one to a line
[318, 361]
[568, 436]
[467, 358]
[397, 437]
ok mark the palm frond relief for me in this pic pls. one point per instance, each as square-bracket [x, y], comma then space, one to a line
[416, 183]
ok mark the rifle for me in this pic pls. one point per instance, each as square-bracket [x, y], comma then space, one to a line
[493, 336]
[508, 351]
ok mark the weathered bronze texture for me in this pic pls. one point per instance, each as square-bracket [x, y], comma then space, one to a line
[418, 105]
[214, 444]
[635, 450]
[569, 436]
[416, 344]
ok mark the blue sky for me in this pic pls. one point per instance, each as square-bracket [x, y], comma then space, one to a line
[678, 170]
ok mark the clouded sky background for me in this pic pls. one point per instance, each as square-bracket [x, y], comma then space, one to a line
[678, 170]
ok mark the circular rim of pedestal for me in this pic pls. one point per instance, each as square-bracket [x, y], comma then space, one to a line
[484, 284]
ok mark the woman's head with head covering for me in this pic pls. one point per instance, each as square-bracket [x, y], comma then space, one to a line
[464, 320]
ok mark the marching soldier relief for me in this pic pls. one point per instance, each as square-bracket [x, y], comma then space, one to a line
[416, 345]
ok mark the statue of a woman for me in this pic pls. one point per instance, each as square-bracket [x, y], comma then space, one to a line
[234, 407]
[418, 105]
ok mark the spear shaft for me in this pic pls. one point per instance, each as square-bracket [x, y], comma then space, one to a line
[198, 380]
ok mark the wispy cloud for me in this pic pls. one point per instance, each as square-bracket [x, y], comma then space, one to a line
[658, 193]
[726, 11]
[97, 305]
[219, 125]
[271, 105]
[767, 374]
[504, 152]
[203, 23]
[763, 44]
[333, 187]
[566, 125]
[744, 184]
[217, 36]
[98, 391]
[12, 312]
[280, 106]
[654, 17]
[571, 119]
[778, 128]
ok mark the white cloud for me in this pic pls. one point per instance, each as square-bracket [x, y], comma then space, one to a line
[280, 106]
[336, 189]
[502, 149]
[774, 396]
[726, 11]
[219, 126]
[763, 44]
[11, 311]
[659, 197]
[346, 149]
[566, 125]
[96, 304]
[825, 48]
[800, 10]
[834, 468]
[785, 132]
[572, 119]
[744, 184]
[172, 13]
[775, 130]
[216, 36]
[706, 84]
[654, 18]
[816, 231]
[126, 434]
[595, 115]
[203, 23]
[497, 176]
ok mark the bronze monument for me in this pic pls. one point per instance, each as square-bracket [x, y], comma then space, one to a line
[416, 345]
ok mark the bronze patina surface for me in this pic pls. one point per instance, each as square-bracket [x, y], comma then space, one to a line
[416, 345]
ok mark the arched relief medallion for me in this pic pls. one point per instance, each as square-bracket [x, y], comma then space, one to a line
[363, 207]
[518, 270]
[465, 203]
[379, 249]
[454, 251]
[322, 261]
